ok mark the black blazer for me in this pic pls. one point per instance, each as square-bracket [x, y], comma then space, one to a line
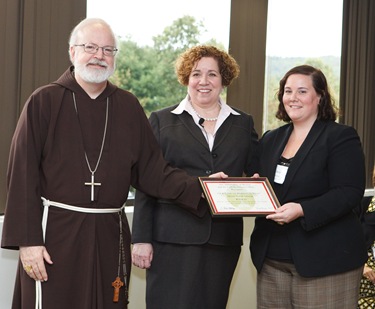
[327, 176]
[184, 146]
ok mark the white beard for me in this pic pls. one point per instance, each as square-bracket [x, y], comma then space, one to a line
[91, 75]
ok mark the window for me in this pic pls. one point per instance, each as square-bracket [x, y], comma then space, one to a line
[140, 26]
[143, 19]
[148, 50]
[301, 32]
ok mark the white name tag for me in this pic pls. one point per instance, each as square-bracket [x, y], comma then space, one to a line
[280, 173]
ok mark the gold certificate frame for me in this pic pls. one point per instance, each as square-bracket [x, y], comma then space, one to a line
[239, 196]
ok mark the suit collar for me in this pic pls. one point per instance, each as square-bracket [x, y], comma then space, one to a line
[189, 118]
[192, 128]
[195, 131]
[277, 147]
[281, 140]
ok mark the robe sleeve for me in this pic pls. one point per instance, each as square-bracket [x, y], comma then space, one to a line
[23, 212]
[154, 176]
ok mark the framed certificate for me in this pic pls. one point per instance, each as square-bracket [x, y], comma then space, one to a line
[239, 196]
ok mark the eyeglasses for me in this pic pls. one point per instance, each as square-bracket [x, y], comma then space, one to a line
[92, 48]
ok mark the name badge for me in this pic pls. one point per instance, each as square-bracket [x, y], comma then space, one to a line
[280, 173]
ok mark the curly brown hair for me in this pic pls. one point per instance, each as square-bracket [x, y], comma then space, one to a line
[228, 67]
[326, 107]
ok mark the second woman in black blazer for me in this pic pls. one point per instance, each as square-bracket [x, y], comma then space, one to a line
[310, 252]
[191, 259]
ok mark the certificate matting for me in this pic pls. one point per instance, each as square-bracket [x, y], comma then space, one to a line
[239, 196]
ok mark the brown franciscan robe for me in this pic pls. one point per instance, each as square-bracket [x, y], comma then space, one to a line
[47, 159]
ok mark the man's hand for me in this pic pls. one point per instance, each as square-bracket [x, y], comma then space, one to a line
[142, 255]
[32, 259]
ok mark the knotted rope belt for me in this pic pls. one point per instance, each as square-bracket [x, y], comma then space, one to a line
[47, 204]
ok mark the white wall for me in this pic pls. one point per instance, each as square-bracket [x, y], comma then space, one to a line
[8, 266]
[242, 295]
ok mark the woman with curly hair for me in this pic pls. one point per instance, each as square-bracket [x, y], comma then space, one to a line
[190, 260]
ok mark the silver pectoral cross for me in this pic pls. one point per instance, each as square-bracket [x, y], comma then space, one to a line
[92, 184]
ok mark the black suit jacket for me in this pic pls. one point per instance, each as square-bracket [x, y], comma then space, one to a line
[327, 176]
[184, 146]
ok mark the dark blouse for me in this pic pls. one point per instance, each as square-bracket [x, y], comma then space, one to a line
[279, 245]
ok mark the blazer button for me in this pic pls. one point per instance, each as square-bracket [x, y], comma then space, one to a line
[208, 172]
[214, 155]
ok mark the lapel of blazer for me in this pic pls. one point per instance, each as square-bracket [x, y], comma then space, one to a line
[277, 149]
[302, 152]
[192, 128]
[224, 131]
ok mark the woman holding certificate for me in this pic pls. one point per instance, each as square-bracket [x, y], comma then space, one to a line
[310, 252]
[191, 259]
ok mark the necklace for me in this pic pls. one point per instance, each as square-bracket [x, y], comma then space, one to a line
[206, 119]
[92, 183]
[200, 117]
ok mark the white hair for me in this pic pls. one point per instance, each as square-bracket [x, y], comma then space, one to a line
[87, 23]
